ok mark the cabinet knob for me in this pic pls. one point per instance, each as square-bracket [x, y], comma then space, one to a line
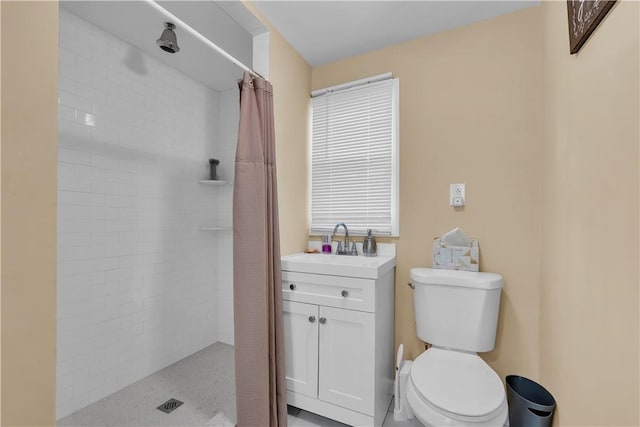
[345, 293]
[322, 320]
[292, 286]
[312, 319]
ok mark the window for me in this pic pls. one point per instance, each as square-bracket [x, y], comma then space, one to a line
[354, 157]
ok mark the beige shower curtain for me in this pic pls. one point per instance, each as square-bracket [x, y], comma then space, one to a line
[259, 340]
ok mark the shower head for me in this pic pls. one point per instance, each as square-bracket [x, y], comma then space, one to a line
[168, 40]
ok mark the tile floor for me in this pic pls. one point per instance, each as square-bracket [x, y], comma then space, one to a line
[299, 418]
[204, 381]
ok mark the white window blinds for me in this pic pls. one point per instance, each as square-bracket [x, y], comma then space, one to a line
[354, 159]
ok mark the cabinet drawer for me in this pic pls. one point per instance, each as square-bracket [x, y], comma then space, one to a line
[333, 291]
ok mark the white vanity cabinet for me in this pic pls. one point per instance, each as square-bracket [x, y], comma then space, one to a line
[339, 341]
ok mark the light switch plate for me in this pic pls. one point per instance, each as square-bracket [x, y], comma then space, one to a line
[457, 195]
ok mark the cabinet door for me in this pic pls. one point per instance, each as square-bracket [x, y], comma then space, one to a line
[346, 371]
[301, 347]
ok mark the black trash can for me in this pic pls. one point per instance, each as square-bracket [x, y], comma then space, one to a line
[530, 404]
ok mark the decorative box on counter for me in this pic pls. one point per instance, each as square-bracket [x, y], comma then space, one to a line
[451, 257]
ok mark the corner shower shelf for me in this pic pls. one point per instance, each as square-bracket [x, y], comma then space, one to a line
[214, 182]
[216, 228]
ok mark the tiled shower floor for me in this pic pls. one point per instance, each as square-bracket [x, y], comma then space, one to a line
[205, 383]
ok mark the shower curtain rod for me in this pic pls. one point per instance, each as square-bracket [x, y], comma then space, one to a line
[183, 25]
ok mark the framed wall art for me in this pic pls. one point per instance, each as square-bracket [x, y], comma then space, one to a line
[584, 16]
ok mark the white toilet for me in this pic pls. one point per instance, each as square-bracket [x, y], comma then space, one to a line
[449, 384]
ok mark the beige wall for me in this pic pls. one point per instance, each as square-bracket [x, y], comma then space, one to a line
[28, 195]
[469, 112]
[291, 79]
[547, 144]
[589, 289]
[0, 215]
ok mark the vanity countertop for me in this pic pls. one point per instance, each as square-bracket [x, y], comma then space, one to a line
[339, 265]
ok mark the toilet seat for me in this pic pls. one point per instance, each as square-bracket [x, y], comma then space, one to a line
[457, 385]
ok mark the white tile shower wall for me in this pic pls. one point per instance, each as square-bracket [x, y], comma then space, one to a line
[136, 277]
[229, 109]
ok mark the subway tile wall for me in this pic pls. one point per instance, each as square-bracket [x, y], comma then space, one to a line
[137, 279]
[228, 131]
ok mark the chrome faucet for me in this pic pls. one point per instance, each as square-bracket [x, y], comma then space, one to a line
[344, 249]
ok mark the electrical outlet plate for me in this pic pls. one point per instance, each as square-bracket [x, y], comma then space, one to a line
[457, 196]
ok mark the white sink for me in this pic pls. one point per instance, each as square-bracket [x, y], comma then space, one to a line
[339, 265]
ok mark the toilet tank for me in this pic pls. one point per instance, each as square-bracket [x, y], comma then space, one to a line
[456, 309]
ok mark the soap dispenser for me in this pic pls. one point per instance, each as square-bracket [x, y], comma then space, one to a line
[369, 246]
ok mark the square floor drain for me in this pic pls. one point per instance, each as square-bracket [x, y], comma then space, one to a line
[170, 405]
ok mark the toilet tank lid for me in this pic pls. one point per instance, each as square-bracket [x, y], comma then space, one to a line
[466, 279]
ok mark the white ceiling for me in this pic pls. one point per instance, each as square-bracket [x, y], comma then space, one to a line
[326, 31]
[321, 31]
[140, 25]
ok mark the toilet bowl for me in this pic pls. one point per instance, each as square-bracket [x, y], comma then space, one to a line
[453, 388]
